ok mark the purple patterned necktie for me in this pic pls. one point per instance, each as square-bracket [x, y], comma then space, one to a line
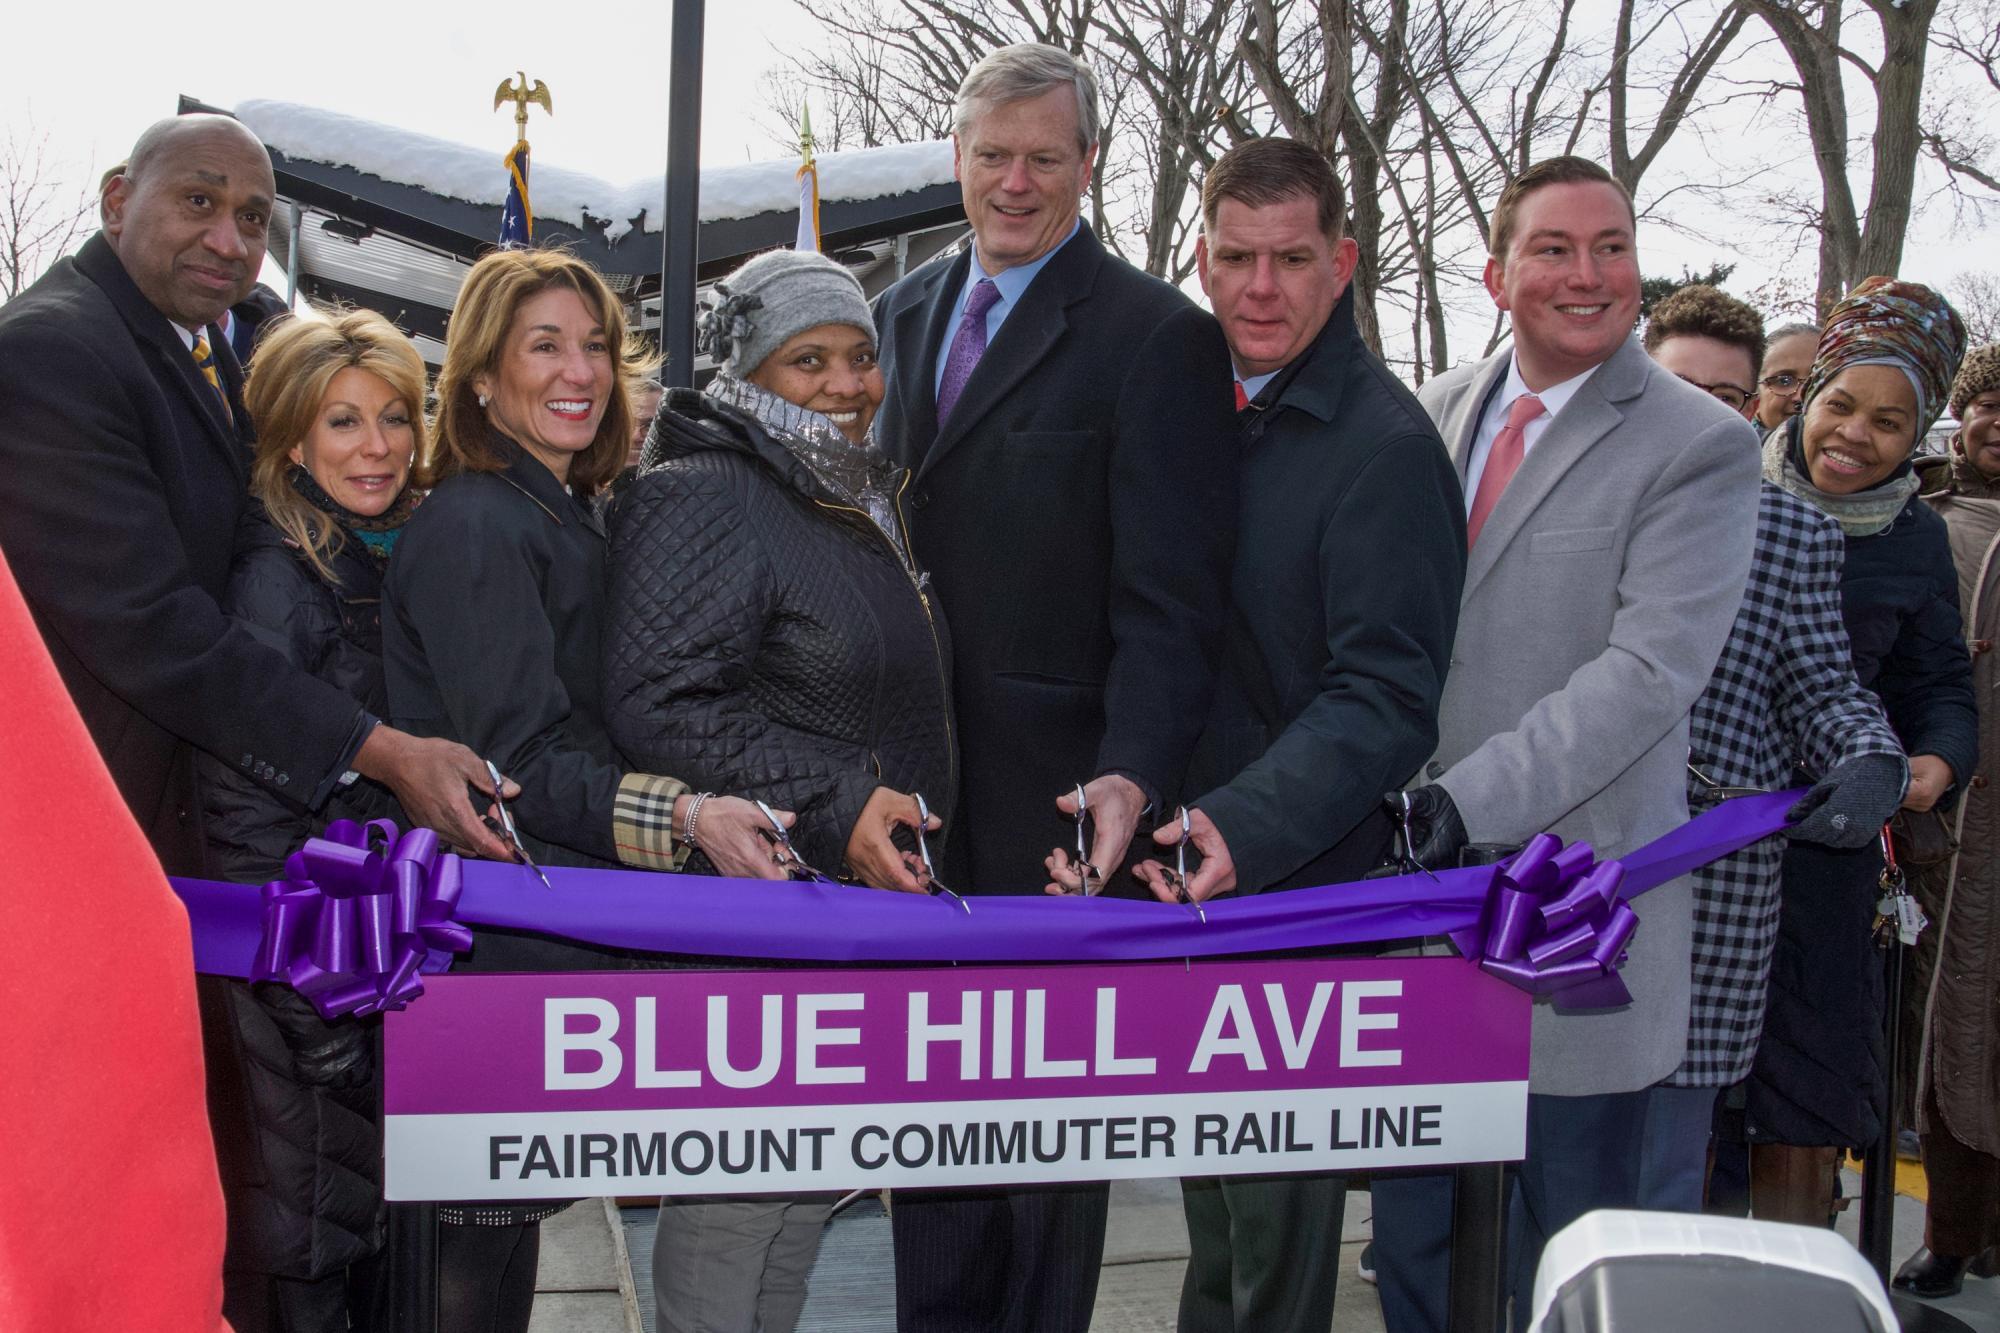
[967, 346]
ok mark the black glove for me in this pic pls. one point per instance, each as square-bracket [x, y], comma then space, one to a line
[1848, 806]
[1437, 834]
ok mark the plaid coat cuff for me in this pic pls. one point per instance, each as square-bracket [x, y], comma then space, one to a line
[642, 822]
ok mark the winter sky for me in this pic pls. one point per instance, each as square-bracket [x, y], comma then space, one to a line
[94, 77]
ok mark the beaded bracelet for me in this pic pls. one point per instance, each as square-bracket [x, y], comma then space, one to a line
[694, 813]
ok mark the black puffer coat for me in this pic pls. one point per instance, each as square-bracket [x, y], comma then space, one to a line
[294, 1096]
[1819, 1078]
[767, 639]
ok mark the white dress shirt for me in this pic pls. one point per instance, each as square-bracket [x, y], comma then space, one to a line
[1554, 398]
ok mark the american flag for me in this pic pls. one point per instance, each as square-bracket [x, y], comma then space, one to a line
[808, 188]
[517, 219]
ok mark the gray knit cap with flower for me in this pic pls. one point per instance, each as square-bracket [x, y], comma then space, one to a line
[776, 296]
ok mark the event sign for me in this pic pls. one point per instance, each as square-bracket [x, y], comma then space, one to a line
[594, 1083]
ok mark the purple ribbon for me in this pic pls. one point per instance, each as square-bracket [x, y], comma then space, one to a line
[1551, 919]
[1556, 924]
[360, 914]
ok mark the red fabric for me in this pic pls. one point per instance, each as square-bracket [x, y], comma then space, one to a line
[1503, 460]
[110, 1212]
[1242, 398]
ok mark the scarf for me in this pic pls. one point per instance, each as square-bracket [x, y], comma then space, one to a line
[377, 535]
[857, 473]
[1862, 514]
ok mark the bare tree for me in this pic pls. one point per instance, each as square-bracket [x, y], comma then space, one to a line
[40, 219]
[1976, 297]
[1426, 107]
[1686, 68]
[1857, 237]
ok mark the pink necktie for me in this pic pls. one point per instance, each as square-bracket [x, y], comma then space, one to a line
[1502, 462]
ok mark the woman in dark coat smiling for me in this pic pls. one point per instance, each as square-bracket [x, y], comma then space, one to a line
[771, 634]
[493, 611]
[1878, 381]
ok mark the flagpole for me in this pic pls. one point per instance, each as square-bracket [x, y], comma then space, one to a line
[679, 223]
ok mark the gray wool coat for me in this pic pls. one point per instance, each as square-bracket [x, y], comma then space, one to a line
[1596, 604]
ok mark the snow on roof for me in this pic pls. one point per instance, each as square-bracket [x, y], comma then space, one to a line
[477, 176]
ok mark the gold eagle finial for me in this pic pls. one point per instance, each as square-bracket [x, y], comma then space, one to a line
[520, 94]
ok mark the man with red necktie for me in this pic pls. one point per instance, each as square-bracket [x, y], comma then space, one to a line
[1345, 593]
[1611, 509]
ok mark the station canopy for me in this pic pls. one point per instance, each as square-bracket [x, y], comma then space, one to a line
[391, 219]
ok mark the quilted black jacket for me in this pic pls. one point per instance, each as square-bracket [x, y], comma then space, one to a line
[294, 1101]
[767, 639]
[333, 633]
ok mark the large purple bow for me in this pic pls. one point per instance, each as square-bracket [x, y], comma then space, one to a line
[1556, 925]
[360, 914]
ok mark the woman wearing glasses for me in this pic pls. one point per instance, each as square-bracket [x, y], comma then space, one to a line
[493, 613]
[1788, 354]
[770, 634]
[1878, 380]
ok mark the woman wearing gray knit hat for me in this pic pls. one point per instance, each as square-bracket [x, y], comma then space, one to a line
[770, 634]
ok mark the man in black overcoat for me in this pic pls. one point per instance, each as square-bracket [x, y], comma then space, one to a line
[1346, 590]
[124, 467]
[1066, 417]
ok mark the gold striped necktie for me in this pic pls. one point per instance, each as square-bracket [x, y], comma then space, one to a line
[204, 357]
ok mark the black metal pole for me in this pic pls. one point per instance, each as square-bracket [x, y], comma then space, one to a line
[679, 223]
[1878, 1164]
[1478, 1300]
[1478, 1296]
[413, 1271]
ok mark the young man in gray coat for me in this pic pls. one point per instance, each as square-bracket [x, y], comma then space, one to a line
[1610, 510]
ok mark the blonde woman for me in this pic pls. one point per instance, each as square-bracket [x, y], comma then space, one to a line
[337, 406]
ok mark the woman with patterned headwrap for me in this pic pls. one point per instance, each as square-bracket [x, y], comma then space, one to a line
[1878, 380]
[1951, 1005]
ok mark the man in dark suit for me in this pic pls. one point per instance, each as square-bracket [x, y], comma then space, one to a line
[1330, 682]
[124, 466]
[1067, 419]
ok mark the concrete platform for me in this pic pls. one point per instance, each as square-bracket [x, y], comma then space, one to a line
[597, 1268]
[584, 1283]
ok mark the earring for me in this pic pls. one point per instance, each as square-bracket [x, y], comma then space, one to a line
[482, 400]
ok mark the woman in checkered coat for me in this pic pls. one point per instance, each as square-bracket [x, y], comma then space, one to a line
[1783, 694]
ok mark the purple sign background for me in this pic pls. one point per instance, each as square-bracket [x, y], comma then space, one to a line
[476, 1042]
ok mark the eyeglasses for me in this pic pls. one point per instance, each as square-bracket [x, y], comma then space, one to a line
[1782, 382]
[1732, 396]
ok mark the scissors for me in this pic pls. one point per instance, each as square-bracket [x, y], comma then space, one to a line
[784, 855]
[1178, 876]
[924, 853]
[1084, 869]
[507, 825]
[1722, 791]
[1402, 848]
